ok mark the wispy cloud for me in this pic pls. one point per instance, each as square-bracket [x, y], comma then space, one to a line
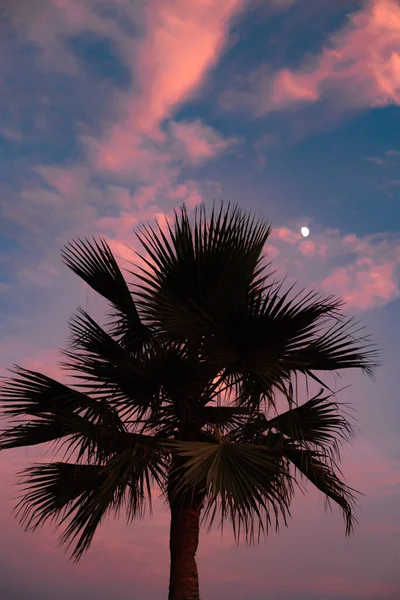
[50, 24]
[358, 68]
[376, 159]
[198, 142]
[183, 40]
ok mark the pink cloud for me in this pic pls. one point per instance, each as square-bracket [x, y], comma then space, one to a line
[199, 142]
[309, 248]
[375, 475]
[65, 189]
[368, 279]
[364, 284]
[361, 61]
[179, 42]
[285, 234]
[17, 351]
[145, 204]
[189, 193]
[289, 87]
[67, 181]
[184, 40]
[49, 23]
[141, 156]
[46, 361]
[271, 251]
[358, 68]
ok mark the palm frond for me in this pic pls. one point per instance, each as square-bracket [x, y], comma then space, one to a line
[49, 489]
[316, 464]
[218, 415]
[341, 347]
[100, 363]
[268, 338]
[135, 385]
[246, 484]
[40, 409]
[317, 469]
[194, 266]
[318, 422]
[33, 393]
[80, 496]
[94, 262]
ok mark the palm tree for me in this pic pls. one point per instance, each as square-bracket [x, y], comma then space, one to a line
[178, 392]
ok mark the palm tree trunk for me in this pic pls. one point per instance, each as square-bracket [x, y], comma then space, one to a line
[184, 539]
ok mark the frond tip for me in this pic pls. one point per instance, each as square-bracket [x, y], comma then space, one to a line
[319, 422]
[314, 467]
[94, 262]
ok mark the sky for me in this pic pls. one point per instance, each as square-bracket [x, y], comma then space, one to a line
[113, 113]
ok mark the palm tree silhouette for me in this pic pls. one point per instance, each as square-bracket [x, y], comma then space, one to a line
[178, 391]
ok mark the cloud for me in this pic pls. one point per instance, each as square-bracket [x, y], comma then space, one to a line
[130, 164]
[183, 41]
[134, 155]
[168, 48]
[364, 271]
[285, 234]
[309, 248]
[365, 284]
[358, 68]
[48, 25]
[199, 142]
[376, 159]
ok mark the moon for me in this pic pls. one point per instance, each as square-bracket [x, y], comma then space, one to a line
[305, 232]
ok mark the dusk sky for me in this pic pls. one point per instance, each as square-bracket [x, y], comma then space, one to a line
[116, 111]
